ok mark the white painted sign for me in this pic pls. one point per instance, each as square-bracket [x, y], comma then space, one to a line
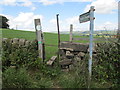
[84, 17]
[38, 27]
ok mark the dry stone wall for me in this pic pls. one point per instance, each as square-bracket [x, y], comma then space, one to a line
[20, 42]
[73, 53]
[19, 52]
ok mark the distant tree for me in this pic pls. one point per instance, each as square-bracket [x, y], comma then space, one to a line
[3, 22]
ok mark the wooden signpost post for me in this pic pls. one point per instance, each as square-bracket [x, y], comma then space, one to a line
[89, 16]
[39, 36]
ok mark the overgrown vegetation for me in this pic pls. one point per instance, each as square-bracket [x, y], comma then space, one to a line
[20, 78]
[19, 56]
[106, 72]
[31, 72]
[13, 78]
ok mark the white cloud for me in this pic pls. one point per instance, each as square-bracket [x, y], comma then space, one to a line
[50, 2]
[73, 20]
[110, 25]
[29, 3]
[25, 3]
[47, 2]
[54, 21]
[8, 2]
[44, 2]
[24, 21]
[1, 9]
[85, 26]
[65, 24]
[103, 6]
[33, 8]
[106, 26]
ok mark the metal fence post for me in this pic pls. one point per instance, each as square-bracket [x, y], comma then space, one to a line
[91, 43]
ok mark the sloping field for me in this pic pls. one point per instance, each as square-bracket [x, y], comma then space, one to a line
[50, 39]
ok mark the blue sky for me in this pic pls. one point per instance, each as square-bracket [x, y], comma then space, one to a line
[22, 14]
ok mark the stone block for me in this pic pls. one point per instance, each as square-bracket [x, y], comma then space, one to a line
[51, 61]
[74, 46]
[71, 67]
[4, 39]
[27, 43]
[65, 62]
[62, 52]
[95, 56]
[94, 48]
[81, 54]
[21, 42]
[69, 54]
[15, 40]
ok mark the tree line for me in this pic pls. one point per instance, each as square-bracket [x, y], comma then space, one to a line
[4, 22]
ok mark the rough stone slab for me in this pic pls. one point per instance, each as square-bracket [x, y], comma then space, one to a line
[94, 48]
[4, 39]
[95, 56]
[49, 62]
[21, 41]
[27, 43]
[74, 46]
[81, 54]
[15, 40]
[71, 67]
[65, 62]
[62, 52]
[69, 54]
[52, 59]
[76, 63]
[64, 48]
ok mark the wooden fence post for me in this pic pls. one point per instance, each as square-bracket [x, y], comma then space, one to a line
[58, 37]
[118, 33]
[39, 35]
[71, 32]
[36, 21]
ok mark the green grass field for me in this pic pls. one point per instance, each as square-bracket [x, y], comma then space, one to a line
[50, 39]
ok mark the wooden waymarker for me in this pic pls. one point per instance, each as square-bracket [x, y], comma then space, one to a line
[39, 36]
[37, 22]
